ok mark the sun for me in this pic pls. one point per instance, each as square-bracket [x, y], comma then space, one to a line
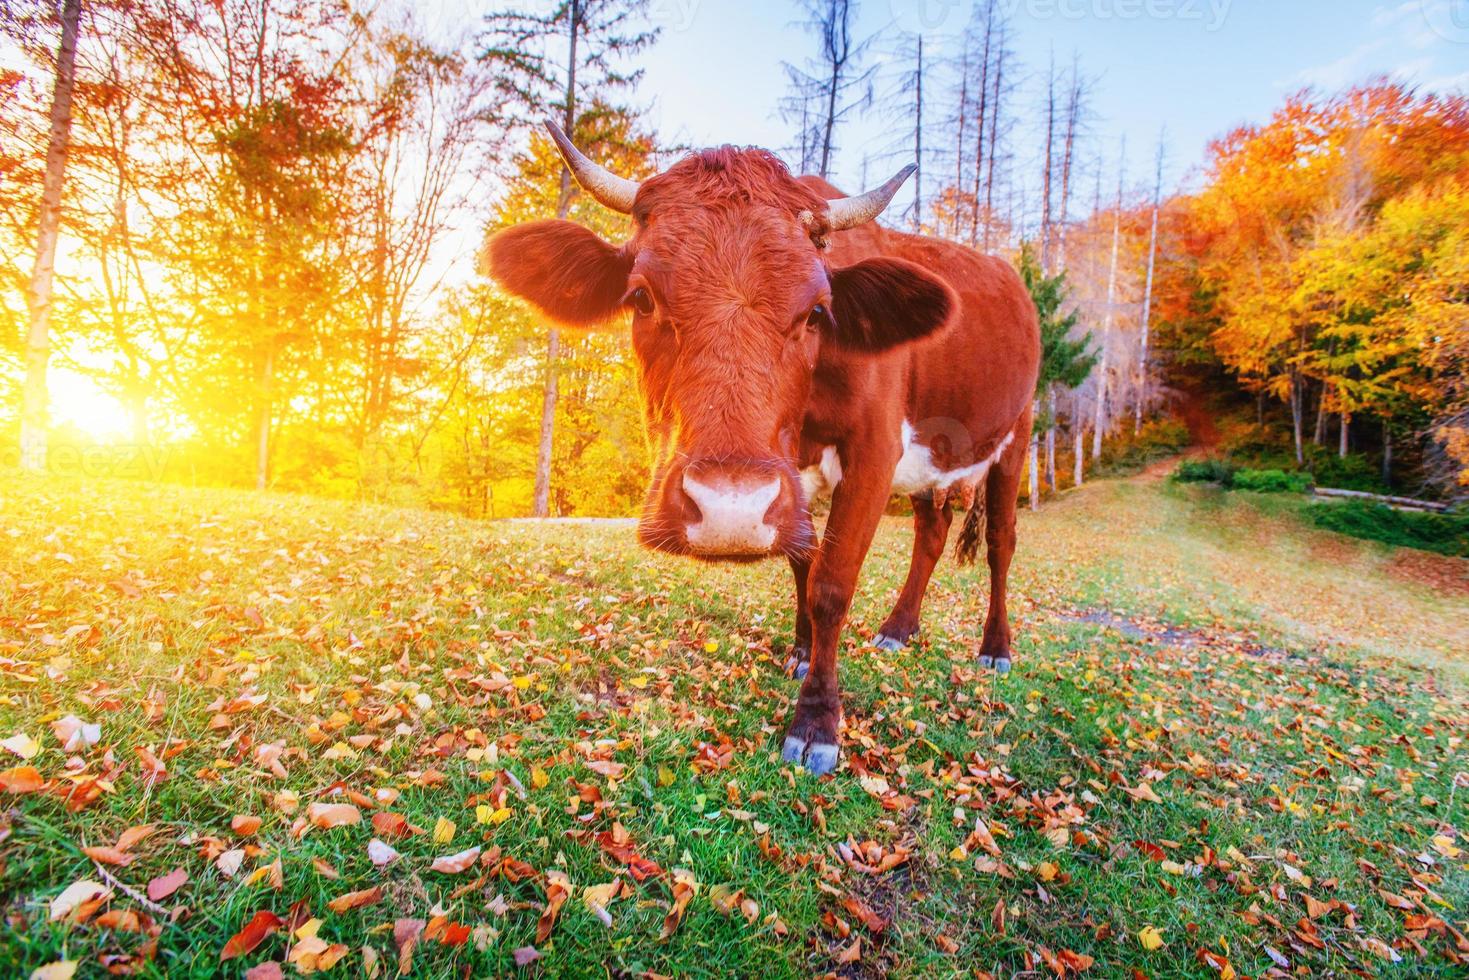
[78, 402]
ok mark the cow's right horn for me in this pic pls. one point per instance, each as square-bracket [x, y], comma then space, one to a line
[609, 189]
[849, 212]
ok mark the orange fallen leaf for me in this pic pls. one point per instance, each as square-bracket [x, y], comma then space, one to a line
[685, 887]
[22, 779]
[558, 887]
[329, 815]
[355, 900]
[245, 825]
[261, 925]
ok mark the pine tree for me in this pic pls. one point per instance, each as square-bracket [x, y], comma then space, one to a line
[1065, 361]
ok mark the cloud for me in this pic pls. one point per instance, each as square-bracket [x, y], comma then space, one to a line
[1410, 26]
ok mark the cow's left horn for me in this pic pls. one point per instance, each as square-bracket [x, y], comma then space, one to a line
[609, 189]
[849, 212]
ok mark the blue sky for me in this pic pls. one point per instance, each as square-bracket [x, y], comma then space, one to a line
[1198, 67]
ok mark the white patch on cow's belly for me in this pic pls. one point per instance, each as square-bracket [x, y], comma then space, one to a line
[917, 473]
[821, 479]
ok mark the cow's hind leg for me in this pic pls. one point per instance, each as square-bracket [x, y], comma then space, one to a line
[1002, 488]
[930, 534]
[800, 659]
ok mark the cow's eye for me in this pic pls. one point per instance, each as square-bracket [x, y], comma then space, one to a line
[641, 301]
[819, 318]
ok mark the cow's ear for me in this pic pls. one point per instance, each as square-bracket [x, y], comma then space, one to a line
[881, 303]
[573, 276]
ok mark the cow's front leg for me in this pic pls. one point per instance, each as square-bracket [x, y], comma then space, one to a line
[856, 508]
[799, 662]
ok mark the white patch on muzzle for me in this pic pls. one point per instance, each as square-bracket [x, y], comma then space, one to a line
[732, 519]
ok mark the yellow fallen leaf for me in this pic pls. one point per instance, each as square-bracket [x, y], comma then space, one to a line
[444, 830]
[1150, 937]
[60, 970]
[26, 747]
[538, 778]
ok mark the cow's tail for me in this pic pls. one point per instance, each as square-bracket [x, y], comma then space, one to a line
[970, 534]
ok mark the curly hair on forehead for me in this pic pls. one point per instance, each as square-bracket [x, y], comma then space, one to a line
[728, 176]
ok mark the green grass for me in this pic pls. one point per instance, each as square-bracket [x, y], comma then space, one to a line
[1293, 699]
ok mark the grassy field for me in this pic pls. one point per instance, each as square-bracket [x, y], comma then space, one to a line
[1230, 745]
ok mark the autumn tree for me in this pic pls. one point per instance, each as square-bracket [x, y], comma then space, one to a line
[536, 76]
[43, 273]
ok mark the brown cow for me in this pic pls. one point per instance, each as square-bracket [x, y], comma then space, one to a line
[788, 345]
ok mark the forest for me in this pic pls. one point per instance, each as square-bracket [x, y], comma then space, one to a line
[258, 221]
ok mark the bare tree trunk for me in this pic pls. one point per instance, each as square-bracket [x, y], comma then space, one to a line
[1073, 121]
[1035, 479]
[1048, 167]
[1346, 425]
[1100, 421]
[1386, 455]
[1077, 436]
[1142, 357]
[963, 119]
[1319, 436]
[1051, 457]
[541, 497]
[1296, 411]
[918, 144]
[994, 144]
[38, 295]
[982, 120]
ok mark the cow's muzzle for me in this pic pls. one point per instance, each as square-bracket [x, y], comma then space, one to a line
[719, 510]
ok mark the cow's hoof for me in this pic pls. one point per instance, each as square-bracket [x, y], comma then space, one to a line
[798, 663]
[1001, 665]
[890, 643]
[819, 758]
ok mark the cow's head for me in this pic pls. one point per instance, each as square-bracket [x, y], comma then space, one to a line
[731, 298]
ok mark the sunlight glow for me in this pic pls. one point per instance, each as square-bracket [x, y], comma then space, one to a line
[76, 400]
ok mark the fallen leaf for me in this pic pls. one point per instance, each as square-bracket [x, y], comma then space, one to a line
[558, 887]
[229, 861]
[244, 825]
[355, 900]
[453, 864]
[21, 779]
[261, 925]
[59, 970]
[405, 936]
[1150, 937]
[79, 899]
[526, 955]
[75, 734]
[22, 745]
[598, 899]
[685, 887]
[382, 854]
[330, 815]
[165, 885]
